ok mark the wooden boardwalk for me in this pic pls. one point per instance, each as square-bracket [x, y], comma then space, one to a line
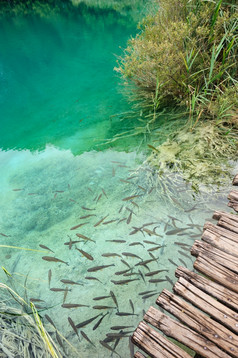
[205, 305]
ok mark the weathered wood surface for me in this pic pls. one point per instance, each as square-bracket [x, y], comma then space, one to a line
[233, 204]
[221, 243]
[184, 334]
[228, 224]
[199, 322]
[153, 343]
[220, 274]
[233, 195]
[224, 259]
[139, 355]
[207, 304]
[222, 214]
[235, 180]
[221, 231]
[221, 293]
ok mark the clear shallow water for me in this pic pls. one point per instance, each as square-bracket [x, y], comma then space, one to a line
[51, 182]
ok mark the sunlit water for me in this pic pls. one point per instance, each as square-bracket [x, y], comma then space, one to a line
[58, 93]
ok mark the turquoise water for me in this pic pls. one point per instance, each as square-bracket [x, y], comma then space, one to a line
[60, 100]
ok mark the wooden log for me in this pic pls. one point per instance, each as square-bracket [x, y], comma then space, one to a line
[183, 334]
[220, 242]
[233, 195]
[199, 322]
[220, 274]
[153, 343]
[235, 180]
[221, 293]
[207, 304]
[221, 231]
[233, 204]
[221, 214]
[228, 224]
[224, 259]
[139, 355]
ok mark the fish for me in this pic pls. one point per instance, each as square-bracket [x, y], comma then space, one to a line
[112, 254]
[173, 263]
[89, 189]
[114, 298]
[175, 231]
[92, 278]
[4, 235]
[183, 262]
[70, 243]
[46, 248]
[109, 222]
[169, 280]
[96, 268]
[121, 220]
[105, 345]
[72, 324]
[129, 219]
[50, 320]
[156, 280]
[141, 275]
[87, 216]
[17, 189]
[72, 305]
[104, 193]
[85, 237]
[36, 300]
[149, 295]
[100, 221]
[128, 254]
[99, 197]
[135, 204]
[181, 244]
[99, 321]
[125, 263]
[84, 253]
[59, 340]
[59, 289]
[77, 226]
[122, 272]
[152, 273]
[123, 166]
[53, 259]
[85, 323]
[124, 282]
[141, 187]
[84, 208]
[151, 189]
[69, 282]
[146, 292]
[185, 255]
[136, 243]
[150, 232]
[131, 346]
[155, 248]
[122, 314]
[100, 298]
[118, 335]
[143, 263]
[65, 294]
[118, 328]
[117, 241]
[129, 178]
[120, 209]
[131, 197]
[153, 148]
[49, 276]
[86, 337]
[132, 306]
[102, 307]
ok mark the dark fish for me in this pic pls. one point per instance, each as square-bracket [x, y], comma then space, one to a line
[102, 307]
[185, 255]
[118, 335]
[99, 321]
[114, 298]
[122, 314]
[65, 294]
[77, 226]
[118, 328]
[124, 282]
[84, 208]
[100, 221]
[135, 204]
[86, 337]
[155, 248]
[100, 298]
[122, 272]
[53, 259]
[169, 280]
[141, 187]
[85, 323]
[131, 346]
[45, 247]
[182, 244]
[144, 263]
[153, 148]
[130, 197]
[109, 222]
[87, 216]
[154, 272]
[72, 305]
[59, 289]
[99, 197]
[136, 243]
[117, 241]
[89, 189]
[125, 263]
[17, 189]
[69, 199]
[156, 280]
[112, 254]
[105, 345]
[49, 320]
[36, 300]
[128, 254]
[120, 209]
[129, 178]
[132, 306]
[85, 237]
[59, 340]
[173, 263]
[175, 231]
[146, 292]
[123, 166]
[121, 220]
[96, 268]
[70, 243]
[71, 322]
[129, 219]
[85, 254]
[49, 276]
[104, 193]
[150, 232]
[150, 295]
[183, 262]
[92, 278]
[69, 282]
[4, 235]
[150, 242]
[141, 275]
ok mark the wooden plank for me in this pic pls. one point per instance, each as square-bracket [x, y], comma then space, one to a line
[235, 180]
[223, 294]
[207, 304]
[221, 214]
[233, 195]
[233, 204]
[199, 322]
[139, 355]
[184, 334]
[224, 259]
[153, 343]
[225, 277]
[220, 242]
[228, 224]
[221, 231]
